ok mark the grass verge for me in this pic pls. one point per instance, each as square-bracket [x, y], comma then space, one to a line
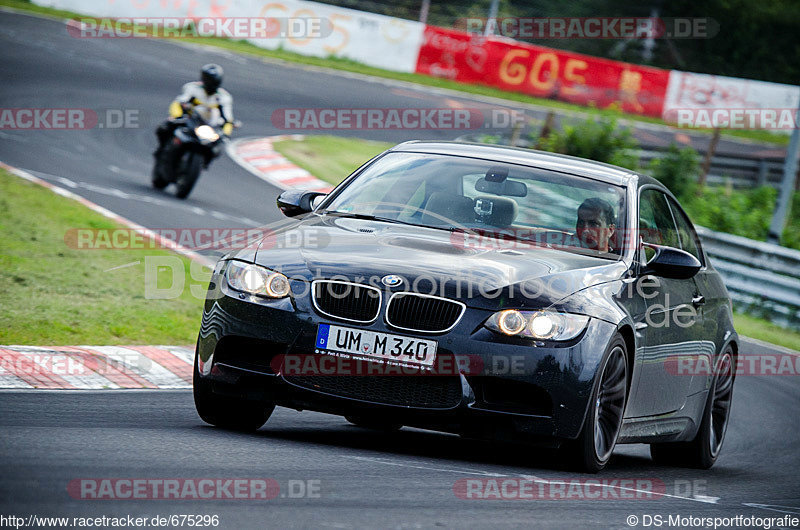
[765, 330]
[52, 294]
[330, 158]
[248, 48]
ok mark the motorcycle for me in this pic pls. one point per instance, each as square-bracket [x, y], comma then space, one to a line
[194, 144]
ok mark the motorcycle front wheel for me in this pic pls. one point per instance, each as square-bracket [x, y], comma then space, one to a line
[159, 182]
[188, 173]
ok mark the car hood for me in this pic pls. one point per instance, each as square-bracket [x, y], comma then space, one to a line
[491, 274]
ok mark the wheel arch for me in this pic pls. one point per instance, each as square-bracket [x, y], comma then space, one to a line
[626, 331]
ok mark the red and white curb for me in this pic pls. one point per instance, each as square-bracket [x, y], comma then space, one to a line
[95, 367]
[258, 156]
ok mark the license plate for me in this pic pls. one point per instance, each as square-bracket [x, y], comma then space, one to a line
[376, 346]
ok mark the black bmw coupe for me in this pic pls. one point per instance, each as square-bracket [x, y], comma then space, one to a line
[485, 291]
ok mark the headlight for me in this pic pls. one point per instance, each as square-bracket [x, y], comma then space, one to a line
[542, 325]
[253, 279]
[206, 133]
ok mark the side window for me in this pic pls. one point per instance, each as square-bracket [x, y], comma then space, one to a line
[686, 232]
[656, 225]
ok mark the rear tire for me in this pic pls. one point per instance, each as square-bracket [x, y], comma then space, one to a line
[188, 173]
[225, 411]
[702, 452]
[371, 423]
[592, 450]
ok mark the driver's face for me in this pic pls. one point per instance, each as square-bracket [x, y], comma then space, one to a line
[592, 230]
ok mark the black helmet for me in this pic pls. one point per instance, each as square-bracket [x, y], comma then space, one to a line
[211, 76]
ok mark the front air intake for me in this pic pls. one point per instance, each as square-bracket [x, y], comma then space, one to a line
[353, 302]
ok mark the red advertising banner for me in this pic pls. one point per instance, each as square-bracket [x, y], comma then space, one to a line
[542, 72]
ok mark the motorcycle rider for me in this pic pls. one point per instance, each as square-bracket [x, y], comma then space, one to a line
[213, 103]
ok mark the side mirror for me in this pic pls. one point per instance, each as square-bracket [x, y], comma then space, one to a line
[670, 262]
[297, 202]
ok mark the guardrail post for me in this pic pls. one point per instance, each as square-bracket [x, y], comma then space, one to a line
[515, 132]
[762, 172]
[423, 11]
[547, 128]
[491, 21]
[787, 186]
[712, 147]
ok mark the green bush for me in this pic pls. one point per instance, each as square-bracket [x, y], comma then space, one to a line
[742, 212]
[678, 170]
[791, 233]
[598, 138]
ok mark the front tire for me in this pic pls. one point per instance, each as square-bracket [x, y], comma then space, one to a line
[159, 183]
[188, 173]
[702, 452]
[225, 411]
[592, 450]
[158, 180]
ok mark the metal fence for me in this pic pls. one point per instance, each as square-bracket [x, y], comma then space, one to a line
[742, 171]
[763, 279]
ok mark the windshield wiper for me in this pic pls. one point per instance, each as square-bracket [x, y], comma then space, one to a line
[369, 217]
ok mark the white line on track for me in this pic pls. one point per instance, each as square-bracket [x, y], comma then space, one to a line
[144, 198]
[426, 467]
[420, 465]
[774, 508]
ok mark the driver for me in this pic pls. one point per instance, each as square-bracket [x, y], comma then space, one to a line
[595, 225]
[212, 103]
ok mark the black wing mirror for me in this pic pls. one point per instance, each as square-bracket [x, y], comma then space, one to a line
[670, 262]
[297, 202]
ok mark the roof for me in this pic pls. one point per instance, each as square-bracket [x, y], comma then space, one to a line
[526, 157]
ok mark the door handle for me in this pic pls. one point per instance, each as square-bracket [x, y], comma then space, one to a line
[699, 300]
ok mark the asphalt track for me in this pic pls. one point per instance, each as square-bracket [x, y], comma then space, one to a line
[366, 479]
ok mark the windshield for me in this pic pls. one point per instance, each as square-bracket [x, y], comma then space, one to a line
[496, 200]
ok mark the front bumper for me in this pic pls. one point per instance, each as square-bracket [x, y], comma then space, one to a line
[518, 391]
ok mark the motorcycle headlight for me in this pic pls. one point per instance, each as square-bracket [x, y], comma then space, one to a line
[256, 280]
[542, 325]
[206, 133]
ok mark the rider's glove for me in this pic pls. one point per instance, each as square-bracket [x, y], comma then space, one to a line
[227, 129]
[176, 109]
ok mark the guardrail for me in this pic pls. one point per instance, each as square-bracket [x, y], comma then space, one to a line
[742, 171]
[763, 279]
